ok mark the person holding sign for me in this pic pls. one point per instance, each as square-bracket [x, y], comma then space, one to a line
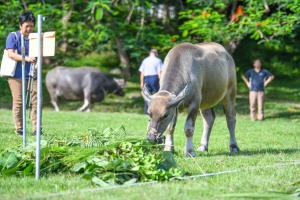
[13, 47]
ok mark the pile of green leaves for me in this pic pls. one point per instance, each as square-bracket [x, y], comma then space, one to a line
[128, 162]
[98, 159]
[93, 138]
[21, 162]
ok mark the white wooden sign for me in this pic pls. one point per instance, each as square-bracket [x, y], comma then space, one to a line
[48, 44]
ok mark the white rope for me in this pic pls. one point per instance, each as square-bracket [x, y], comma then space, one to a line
[72, 192]
[235, 170]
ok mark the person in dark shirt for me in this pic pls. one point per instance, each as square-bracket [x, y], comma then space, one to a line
[256, 80]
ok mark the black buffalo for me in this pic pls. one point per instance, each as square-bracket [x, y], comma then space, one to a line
[80, 83]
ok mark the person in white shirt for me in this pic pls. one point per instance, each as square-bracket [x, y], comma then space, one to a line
[150, 70]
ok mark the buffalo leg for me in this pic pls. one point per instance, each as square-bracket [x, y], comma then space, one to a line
[189, 129]
[87, 101]
[54, 103]
[229, 109]
[208, 117]
[54, 99]
[169, 143]
[85, 106]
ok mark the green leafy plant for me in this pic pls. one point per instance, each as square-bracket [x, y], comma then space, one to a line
[98, 156]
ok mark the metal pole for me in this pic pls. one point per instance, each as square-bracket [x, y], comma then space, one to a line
[39, 99]
[32, 75]
[23, 90]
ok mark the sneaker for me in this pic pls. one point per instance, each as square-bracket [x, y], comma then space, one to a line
[19, 132]
[260, 117]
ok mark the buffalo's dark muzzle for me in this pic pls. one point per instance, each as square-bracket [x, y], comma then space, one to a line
[155, 137]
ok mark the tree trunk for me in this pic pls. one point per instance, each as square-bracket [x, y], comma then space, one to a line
[232, 46]
[65, 21]
[181, 4]
[24, 5]
[124, 59]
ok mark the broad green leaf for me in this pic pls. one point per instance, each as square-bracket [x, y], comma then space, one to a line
[168, 161]
[99, 182]
[28, 170]
[185, 33]
[131, 181]
[99, 14]
[100, 162]
[10, 160]
[79, 167]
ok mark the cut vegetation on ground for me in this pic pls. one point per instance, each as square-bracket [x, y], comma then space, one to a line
[269, 143]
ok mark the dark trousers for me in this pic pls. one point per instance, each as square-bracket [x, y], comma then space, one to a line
[152, 84]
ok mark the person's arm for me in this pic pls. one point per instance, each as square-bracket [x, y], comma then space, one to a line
[246, 81]
[141, 80]
[11, 46]
[141, 70]
[268, 80]
[17, 57]
[160, 69]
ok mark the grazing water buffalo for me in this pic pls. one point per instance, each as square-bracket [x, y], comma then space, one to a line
[80, 83]
[199, 77]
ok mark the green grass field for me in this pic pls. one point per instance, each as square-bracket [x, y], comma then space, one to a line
[263, 145]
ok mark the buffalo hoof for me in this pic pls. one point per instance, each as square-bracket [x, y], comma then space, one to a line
[202, 148]
[234, 149]
[190, 154]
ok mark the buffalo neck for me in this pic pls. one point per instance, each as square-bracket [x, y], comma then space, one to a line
[175, 77]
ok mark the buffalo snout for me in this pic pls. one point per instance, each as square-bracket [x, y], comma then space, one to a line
[120, 92]
[154, 137]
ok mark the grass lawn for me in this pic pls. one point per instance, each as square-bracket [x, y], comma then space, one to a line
[273, 141]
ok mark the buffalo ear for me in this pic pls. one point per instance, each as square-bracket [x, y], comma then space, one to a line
[178, 99]
[146, 94]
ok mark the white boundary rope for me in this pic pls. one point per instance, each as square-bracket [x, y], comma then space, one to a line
[74, 192]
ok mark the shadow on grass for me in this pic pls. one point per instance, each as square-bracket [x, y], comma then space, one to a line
[272, 151]
[286, 115]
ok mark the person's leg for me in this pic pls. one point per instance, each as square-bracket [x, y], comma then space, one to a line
[147, 83]
[155, 84]
[260, 103]
[253, 104]
[15, 86]
[152, 84]
[33, 105]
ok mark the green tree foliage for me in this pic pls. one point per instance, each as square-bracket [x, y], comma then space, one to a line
[229, 22]
[131, 28]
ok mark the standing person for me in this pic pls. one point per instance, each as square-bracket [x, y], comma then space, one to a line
[13, 46]
[256, 80]
[150, 71]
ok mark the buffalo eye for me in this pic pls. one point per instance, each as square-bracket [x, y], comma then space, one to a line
[163, 117]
